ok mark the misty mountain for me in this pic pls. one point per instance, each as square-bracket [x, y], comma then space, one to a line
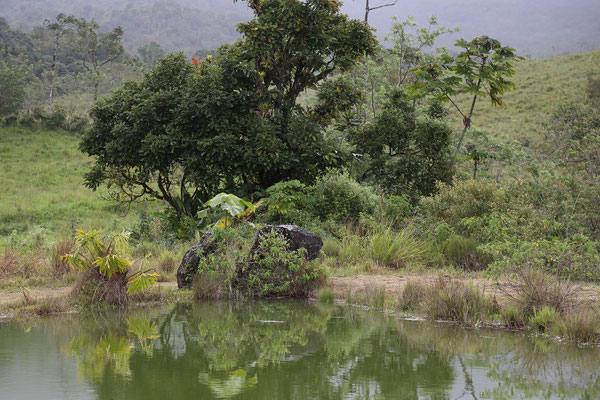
[534, 27]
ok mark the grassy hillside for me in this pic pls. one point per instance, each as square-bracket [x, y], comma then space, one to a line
[42, 191]
[542, 84]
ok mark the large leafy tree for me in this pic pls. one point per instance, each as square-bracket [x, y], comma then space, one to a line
[406, 153]
[231, 122]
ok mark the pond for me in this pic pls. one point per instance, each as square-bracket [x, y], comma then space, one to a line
[281, 350]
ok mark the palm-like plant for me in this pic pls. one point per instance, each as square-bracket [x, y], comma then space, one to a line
[109, 259]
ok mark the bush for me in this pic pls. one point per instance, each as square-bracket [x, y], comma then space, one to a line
[463, 200]
[337, 196]
[571, 258]
[77, 124]
[274, 270]
[284, 197]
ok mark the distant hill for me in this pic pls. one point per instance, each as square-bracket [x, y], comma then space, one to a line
[535, 27]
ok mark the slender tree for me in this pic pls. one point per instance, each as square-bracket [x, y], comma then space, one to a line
[95, 50]
[479, 70]
[58, 29]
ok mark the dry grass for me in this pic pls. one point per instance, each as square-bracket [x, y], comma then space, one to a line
[14, 263]
[580, 325]
[60, 249]
[454, 300]
[209, 286]
[413, 296]
[533, 289]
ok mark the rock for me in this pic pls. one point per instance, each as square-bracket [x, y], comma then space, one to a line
[296, 237]
[189, 265]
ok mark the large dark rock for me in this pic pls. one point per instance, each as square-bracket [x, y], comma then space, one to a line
[297, 238]
[189, 265]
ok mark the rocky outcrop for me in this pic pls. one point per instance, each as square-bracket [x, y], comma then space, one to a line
[189, 265]
[297, 238]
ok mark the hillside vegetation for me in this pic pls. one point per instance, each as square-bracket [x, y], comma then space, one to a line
[42, 171]
[542, 84]
[43, 196]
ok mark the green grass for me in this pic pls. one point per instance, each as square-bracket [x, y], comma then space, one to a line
[43, 195]
[542, 84]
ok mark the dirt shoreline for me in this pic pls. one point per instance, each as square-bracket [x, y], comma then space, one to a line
[341, 285]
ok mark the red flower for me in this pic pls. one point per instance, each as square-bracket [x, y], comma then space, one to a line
[195, 61]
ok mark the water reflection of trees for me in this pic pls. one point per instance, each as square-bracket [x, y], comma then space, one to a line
[301, 350]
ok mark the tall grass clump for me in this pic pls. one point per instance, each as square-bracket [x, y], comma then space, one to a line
[370, 296]
[533, 289]
[543, 319]
[395, 249]
[412, 296]
[326, 295]
[579, 325]
[512, 317]
[463, 253]
[456, 301]
[60, 249]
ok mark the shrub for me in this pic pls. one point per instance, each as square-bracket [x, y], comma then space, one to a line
[284, 197]
[463, 200]
[54, 119]
[573, 258]
[394, 208]
[274, 270]
[337, 196]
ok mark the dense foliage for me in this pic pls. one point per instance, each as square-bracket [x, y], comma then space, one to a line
[405, 154]
[231, 122]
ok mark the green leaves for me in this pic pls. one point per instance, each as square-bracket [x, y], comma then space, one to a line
[110, 259]
[230, 203]
[480, 69]
[141, 282]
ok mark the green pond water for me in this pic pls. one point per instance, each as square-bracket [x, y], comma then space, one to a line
[281, 350]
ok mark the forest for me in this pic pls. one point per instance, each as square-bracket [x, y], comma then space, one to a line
[419, 151]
